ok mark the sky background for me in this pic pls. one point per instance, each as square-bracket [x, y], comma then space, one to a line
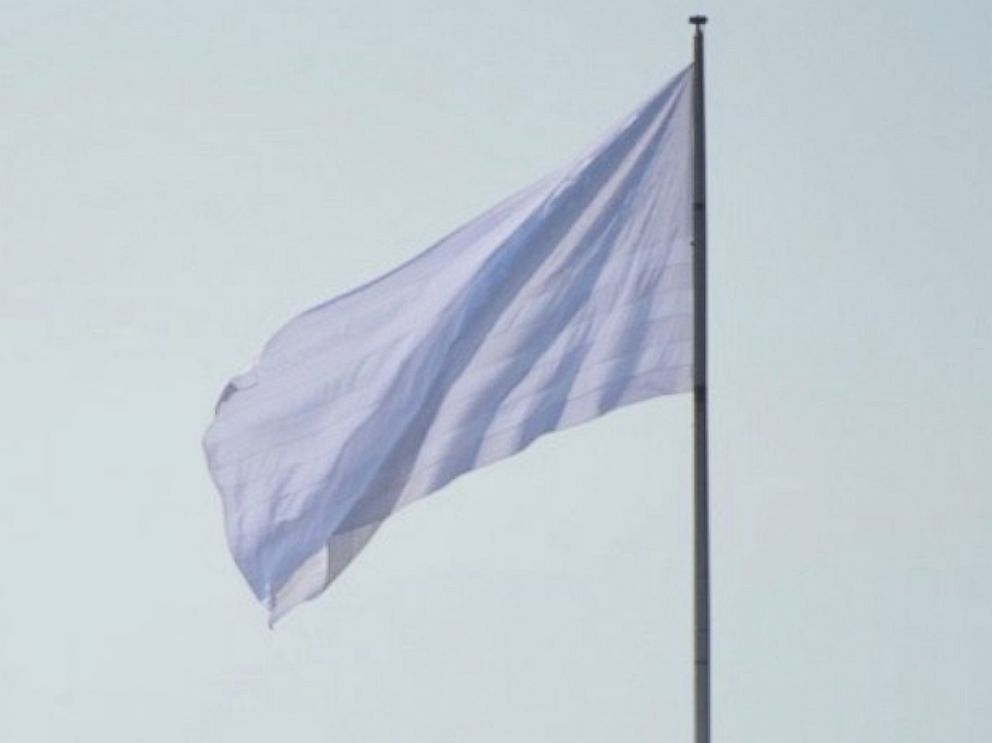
[178, 179]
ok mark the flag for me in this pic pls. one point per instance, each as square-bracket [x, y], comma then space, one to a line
[569, 299]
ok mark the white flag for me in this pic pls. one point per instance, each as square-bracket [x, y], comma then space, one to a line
[569, 299]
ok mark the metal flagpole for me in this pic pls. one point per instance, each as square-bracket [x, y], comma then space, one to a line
[701, 585]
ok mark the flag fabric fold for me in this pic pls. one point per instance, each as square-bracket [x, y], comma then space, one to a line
[569, 299]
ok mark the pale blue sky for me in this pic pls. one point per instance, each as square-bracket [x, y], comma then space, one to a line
[178, 179]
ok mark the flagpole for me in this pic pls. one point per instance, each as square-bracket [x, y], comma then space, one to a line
[701, 584]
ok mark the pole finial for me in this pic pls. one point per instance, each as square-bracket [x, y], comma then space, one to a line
[697, 21]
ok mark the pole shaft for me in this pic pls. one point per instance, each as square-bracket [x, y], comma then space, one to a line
[701, 583]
